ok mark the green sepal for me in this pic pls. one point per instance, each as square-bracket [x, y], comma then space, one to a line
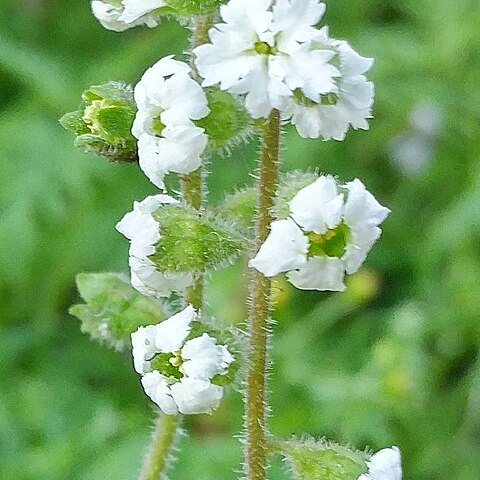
[309, 459]
[289, 185]
[194, 7]
[227, 121]
[193, 243]
[73, 121]
[113, 309]
[240, 207]
[104, 121]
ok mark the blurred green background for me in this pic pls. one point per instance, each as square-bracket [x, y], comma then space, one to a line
[394, 360]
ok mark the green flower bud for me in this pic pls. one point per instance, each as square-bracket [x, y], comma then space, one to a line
[312, 460]
[189, 242]
[103, 122]
[227, 121]
[113, 309]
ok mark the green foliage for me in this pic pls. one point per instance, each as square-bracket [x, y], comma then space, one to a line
[104, 121]
[113, 309]
[227, 121]
[322, 460]
[192, 243]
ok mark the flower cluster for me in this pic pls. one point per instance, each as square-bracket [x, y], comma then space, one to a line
[178, 374]
[168, 101]
[120, 15]
[327, 234]
[273, 53]
[143, 231]
[384, 465]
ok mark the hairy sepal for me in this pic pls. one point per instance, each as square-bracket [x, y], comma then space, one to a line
[194, 243]
[310, 459]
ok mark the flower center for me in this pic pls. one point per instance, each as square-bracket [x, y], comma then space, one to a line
[168, 364]
[301, 99]
[332, 243]
[157, 126]
[263, 48]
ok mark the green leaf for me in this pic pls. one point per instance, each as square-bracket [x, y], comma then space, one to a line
[113, 309]
[190, 242]
[309, 459]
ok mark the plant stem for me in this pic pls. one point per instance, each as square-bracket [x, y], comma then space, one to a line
[156, 461]
[256, 405]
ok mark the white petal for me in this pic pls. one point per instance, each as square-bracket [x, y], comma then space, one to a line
[196, 396]
[284, 249]
[139, 224]
[109, 16]
[361, 208]
[135, 9]
[359, 244]
[143, 347]
[149, 281]
[157, 388]
[293, 22]
[182, 100]
[385, 465]
[178, 150]
[319, 273]
[318, 206]
[171, 333]
[204, 359]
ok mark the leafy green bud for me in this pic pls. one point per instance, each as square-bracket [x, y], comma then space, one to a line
[227, 120]
[190, 242]
[113, 309]
[322, 460]
[103, 122]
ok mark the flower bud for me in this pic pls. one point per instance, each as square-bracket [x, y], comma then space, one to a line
[113, 309]
[308, 459]
[103, 122]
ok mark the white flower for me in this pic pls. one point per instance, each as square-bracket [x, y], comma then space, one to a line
[178, 149]
[122, 15]
[196, 396]
[262, 50]
[143, 231]
[177, 372]
[348, 104]
[384, 465]
[324, 236]
[168, 102]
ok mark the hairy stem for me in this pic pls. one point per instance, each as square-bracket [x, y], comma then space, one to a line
[157, 458]
[256, 402]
